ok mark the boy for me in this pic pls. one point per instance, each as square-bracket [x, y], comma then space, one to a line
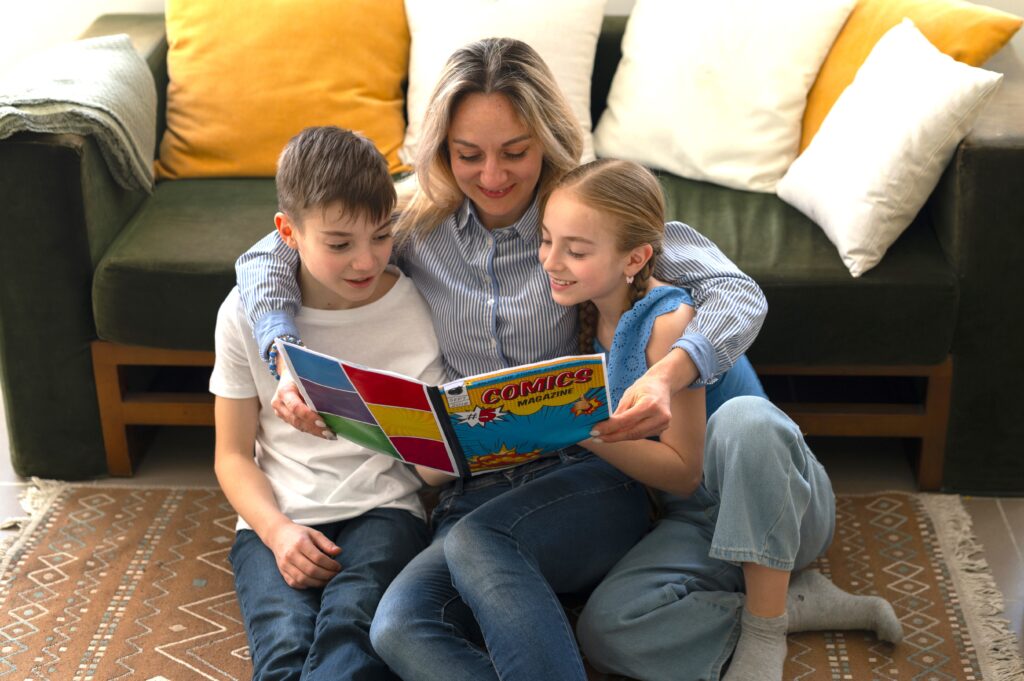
[324, 525]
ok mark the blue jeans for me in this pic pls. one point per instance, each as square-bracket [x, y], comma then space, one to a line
[671, 608]
[324, 633]
[481, 602]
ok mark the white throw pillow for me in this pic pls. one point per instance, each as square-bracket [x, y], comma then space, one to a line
[883, 146]
[716, 90]
[564, 33]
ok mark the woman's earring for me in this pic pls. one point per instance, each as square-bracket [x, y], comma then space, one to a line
[629, 279]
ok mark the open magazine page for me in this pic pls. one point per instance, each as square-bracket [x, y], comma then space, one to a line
[508, 418]
[380, 410]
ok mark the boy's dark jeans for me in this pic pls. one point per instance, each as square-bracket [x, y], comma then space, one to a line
[324, 633]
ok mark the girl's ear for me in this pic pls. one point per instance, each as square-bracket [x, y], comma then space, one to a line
[286, 229]
[637, 258]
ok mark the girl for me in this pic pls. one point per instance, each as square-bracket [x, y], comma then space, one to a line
[734, 522]
[480, 602]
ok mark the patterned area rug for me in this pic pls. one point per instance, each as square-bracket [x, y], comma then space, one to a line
[133, 583]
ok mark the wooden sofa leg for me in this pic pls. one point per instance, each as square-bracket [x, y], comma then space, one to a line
[109, 391]
[933, 440]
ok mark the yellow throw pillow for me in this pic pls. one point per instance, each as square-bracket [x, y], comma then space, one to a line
[967, 32]
[247, 75]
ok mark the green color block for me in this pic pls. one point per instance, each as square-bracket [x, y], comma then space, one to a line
[365, 434]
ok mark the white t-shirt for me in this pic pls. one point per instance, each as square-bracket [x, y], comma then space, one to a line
[315, 480]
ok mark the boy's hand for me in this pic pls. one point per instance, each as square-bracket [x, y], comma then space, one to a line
[290, 408]
[304, 555]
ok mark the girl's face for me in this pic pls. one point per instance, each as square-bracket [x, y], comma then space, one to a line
[495, 159]
[579, 252]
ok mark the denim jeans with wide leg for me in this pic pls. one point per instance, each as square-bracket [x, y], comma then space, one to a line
[324, 633]
[671, 608]
[481, 602]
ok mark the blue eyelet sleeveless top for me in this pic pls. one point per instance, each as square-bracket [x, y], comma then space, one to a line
[627, 360]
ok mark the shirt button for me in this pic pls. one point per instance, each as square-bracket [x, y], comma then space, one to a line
[494, 343]
[490, 301]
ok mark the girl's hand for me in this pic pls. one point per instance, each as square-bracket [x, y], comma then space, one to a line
[304, 556]
[290, 408]
[644, 411]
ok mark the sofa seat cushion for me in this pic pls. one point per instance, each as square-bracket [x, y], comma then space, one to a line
[163, 279]
[901, 312]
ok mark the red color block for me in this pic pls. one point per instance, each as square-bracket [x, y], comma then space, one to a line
[390, 391]
[424, 452]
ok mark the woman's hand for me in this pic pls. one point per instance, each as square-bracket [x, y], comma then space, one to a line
[645, 409]
[292, 409]
[305, 557]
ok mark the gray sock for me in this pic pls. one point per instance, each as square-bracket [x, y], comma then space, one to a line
[761, 651]
[814, 603]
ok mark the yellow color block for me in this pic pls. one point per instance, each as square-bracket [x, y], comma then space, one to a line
[248, 75]
[402, 422]
[967, 32]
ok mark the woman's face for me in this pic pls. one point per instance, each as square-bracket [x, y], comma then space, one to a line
[496, 160]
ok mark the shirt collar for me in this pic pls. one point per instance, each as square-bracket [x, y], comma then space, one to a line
[526, 227]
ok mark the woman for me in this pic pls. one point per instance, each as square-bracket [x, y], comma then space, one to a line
[481, 602]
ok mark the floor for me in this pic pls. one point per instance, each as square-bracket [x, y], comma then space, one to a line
[184, 457]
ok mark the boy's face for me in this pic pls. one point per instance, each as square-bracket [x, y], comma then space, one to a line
[342, 255]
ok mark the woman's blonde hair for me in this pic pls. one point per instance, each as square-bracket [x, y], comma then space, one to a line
[631, 195]
[493, 65]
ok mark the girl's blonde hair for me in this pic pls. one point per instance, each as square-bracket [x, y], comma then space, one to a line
[632, 197]
[493, 65]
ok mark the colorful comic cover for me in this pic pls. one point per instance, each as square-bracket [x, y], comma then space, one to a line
[473, 425]
[510, 417]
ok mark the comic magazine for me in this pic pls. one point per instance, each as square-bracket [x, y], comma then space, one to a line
[466, 427]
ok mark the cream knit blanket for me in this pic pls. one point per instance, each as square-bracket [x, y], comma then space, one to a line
[99, 87]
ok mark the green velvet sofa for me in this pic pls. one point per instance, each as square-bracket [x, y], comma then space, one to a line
[83, 259]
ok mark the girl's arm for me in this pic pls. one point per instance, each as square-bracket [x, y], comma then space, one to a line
[269, 288]
[675, 462]
[305, 557]
[730, 311]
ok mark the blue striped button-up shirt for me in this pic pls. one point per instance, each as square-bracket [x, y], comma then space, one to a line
[491, 301]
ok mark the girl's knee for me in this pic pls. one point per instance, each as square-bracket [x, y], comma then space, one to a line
[751, 431]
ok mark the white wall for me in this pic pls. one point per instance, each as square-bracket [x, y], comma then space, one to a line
[36, 24]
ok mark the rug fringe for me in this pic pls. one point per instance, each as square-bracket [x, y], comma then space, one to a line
[982, 602]
[34, 500]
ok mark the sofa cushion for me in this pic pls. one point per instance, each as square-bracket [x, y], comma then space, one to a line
[247, 76]
[966, 31]
[163, 279]
[901, 312]
[883, 146]
[716, 91]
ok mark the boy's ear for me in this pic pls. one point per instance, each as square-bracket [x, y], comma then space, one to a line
[285, 229]
[637, 258]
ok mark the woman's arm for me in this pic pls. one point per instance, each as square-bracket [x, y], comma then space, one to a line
[269, 287]
[304, 556]
[730, 305]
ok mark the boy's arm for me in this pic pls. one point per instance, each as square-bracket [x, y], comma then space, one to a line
[269, 288]
[304, 556]
[730, 311]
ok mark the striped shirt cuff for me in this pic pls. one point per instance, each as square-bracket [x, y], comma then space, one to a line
[702, 353]
[272, 325]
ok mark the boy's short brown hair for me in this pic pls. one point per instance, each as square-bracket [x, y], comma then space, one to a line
[326, 164]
